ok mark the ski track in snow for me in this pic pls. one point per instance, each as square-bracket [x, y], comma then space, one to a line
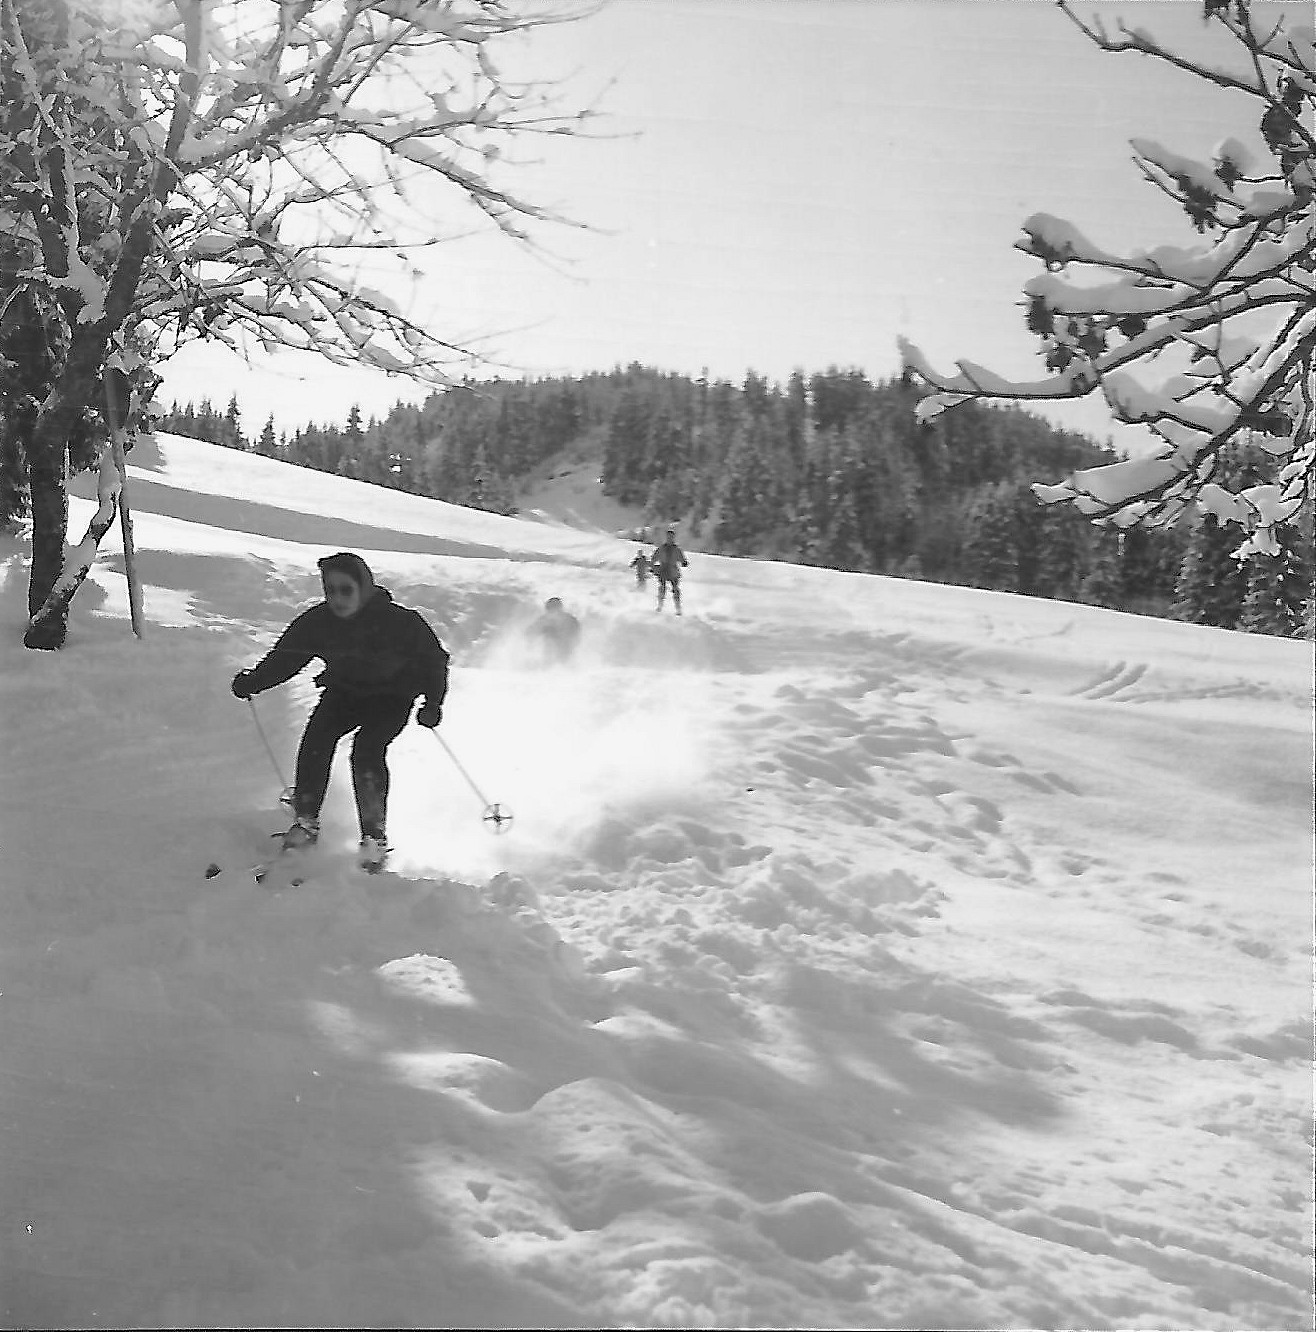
[864, 954]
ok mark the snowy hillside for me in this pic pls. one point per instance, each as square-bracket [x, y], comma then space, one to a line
[903, 956]
[570, 491]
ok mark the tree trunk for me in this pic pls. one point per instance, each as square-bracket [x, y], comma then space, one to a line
[48, 480]
[50, 519]
[80, 375]
[118, 394]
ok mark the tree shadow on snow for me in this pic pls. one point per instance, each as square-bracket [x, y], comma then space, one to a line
[865, 1087]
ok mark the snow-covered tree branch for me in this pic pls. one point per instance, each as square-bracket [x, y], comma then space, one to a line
[178, 169]
[1203, 344]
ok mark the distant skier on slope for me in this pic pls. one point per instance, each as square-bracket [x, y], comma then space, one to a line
[641, 566]
[379, 657]
[557, 632]
[667, 561]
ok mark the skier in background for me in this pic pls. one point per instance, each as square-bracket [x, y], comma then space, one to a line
[557, 632]
[641, 566]
[378, 657]
[666, 562]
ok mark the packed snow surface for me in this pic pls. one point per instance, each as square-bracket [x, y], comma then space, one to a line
[864, 953]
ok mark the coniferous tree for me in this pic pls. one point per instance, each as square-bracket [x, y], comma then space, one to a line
[1149, 566]
[353, 439]
[627, 471]
[1064, 556]
[1102, 585]
[1211, 586]
[991, 543]
[795, 416]
[885, 485]
[842, 547]
[836, 396]
[266, 444]
[739, 496]
[1279, 588]
[809, 517]
[233, 437]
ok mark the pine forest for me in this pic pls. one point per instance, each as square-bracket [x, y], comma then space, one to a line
[830, 469]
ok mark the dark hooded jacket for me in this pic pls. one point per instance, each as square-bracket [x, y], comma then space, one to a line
[667, 561]
[383, 650]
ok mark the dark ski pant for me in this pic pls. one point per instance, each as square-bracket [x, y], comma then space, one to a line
[378, 721]
[675, 583]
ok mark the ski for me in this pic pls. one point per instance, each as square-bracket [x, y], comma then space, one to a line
[291, 864]
[284, 871]
[261, 871]
[270, 873]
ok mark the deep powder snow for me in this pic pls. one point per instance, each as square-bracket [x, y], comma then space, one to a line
[864, 953]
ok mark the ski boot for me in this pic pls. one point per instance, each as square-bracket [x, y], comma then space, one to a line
[287, 869]
[373, 853]
[305, 831]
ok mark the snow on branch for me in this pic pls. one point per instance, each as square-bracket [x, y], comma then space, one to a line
[1202, 344]
[260, 150]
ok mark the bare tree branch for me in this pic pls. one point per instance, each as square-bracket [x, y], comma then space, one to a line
[1232, 320]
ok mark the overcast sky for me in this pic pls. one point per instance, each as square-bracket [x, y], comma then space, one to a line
[782, 184]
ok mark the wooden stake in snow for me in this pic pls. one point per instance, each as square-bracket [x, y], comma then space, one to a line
[116, 386]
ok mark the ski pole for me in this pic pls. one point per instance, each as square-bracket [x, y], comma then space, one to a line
[497, 816]
[286, 797]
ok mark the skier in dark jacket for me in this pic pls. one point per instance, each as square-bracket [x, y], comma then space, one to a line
[666, 562]
[557, 632]
[378, 658]
[641, 566]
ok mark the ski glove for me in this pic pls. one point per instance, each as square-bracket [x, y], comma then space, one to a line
[429, 714]
[242, 685]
